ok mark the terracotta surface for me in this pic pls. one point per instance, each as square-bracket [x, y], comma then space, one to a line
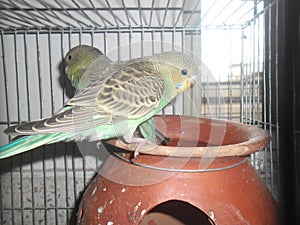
[183, 190]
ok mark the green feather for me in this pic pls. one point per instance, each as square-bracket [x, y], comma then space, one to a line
[25, 143]
[147, 129]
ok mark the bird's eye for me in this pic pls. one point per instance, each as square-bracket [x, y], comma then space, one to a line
[70, 57]
[184, 72]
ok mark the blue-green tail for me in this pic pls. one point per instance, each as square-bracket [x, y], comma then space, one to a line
[27, 143]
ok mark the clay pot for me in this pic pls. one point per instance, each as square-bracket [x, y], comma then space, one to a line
[206, 180]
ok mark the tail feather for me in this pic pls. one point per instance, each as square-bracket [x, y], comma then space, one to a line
[27, 143]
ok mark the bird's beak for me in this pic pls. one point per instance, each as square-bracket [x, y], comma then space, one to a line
[66, 69]
[68, 72]
[192, 81]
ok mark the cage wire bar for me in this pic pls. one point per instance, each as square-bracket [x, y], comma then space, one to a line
[238, 82]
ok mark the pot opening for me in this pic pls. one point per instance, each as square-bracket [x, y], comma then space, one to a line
[176, 212]
[186, 131]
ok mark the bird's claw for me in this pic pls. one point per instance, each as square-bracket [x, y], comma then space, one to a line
[140, 143]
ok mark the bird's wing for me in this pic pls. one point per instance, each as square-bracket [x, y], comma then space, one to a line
[133, 90]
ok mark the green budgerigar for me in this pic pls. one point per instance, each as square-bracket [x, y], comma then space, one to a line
[114, 103]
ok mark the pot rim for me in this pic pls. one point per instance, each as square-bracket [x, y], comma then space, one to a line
[256, 140]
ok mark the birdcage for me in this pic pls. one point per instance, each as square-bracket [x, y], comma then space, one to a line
[236, 42]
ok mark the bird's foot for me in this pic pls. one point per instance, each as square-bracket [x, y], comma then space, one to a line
[138, 143]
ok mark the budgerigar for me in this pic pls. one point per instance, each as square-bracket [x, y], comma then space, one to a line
[120, 98]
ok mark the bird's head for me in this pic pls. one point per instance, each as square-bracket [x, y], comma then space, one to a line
[77, 60]
[179, 68]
